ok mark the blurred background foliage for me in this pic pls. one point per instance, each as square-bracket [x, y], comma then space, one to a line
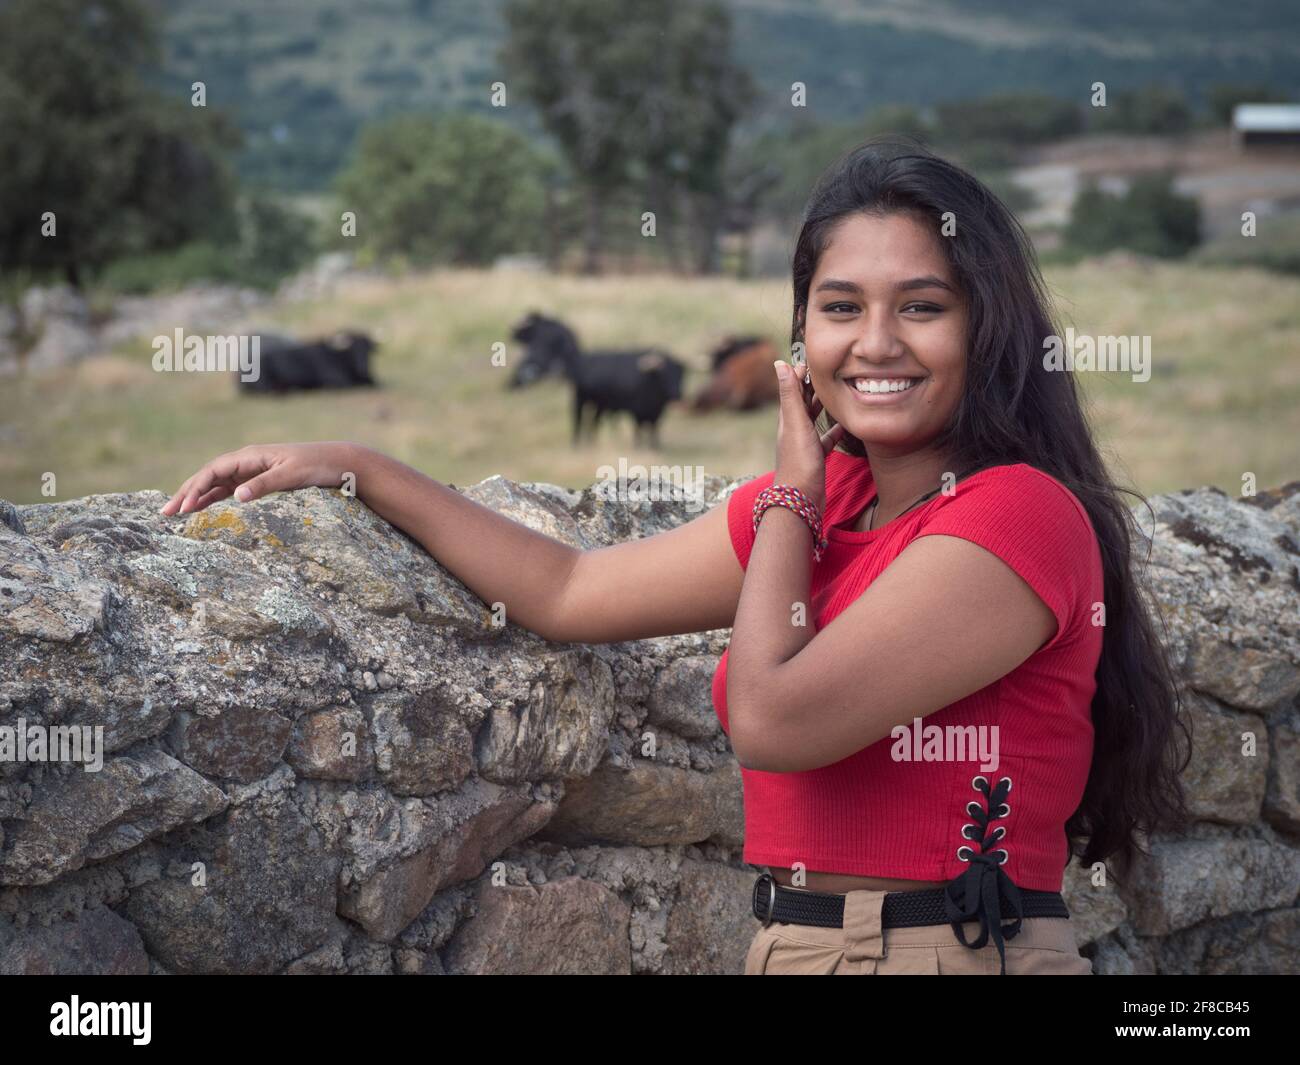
[320, 109]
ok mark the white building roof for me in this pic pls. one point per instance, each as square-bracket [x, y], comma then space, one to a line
[1266, 117]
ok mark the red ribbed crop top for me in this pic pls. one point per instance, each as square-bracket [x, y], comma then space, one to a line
[870, 815]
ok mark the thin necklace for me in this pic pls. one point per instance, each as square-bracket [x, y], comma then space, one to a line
[876, 502]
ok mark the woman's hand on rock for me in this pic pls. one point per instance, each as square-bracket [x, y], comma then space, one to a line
[259, 469]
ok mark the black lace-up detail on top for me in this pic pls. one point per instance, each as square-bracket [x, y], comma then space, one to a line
[984, 890]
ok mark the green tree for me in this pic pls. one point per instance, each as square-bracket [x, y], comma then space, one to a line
[1150, 217]
[267, 241]
[1014, 118]
[458, 189]
[1155, 109]
[800, 153]
[117, 167]
[639, 98]
[899, 119]
[686, 116]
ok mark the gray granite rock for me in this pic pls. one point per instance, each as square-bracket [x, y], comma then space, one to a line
[322, 755]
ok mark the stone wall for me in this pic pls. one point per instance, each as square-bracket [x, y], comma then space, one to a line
[320, 755]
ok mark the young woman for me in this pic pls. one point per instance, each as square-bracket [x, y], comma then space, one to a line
[942, 682]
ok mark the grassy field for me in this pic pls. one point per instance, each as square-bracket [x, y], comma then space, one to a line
[1223, 398]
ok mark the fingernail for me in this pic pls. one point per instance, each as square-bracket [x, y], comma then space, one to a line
[242, 493]
[780, 369]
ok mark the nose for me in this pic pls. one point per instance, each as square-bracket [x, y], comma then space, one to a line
[877, 340]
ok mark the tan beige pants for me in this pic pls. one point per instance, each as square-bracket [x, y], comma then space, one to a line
[1043, 946]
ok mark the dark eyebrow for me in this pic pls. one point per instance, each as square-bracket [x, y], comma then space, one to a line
[832, 284]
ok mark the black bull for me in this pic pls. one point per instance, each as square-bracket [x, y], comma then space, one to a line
[642, 382]
[339, 361]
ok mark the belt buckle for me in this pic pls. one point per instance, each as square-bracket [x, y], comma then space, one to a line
[771, 900]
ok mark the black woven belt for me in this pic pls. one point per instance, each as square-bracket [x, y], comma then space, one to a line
[901, 909]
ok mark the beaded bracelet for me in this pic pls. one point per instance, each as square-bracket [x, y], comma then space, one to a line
[787, 495]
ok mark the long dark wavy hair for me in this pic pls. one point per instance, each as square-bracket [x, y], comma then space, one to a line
[1013, 410]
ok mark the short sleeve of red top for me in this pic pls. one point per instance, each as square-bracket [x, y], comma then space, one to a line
[1037, 527]
[870, 815]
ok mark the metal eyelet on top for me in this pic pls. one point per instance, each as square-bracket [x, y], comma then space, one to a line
[998, 833]
[1005, 806]
[967, 835]
[1008, 780]
[1005, 856]
[974, 783]
[978, 809]
[968, 851]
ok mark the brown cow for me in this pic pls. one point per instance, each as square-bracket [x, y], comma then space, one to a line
[743, 377]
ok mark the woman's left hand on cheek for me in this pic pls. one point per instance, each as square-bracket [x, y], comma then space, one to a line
[800, 451]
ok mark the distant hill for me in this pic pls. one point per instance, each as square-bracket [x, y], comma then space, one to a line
[302, 76]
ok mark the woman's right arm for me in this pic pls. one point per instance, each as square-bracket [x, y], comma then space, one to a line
[684, 580]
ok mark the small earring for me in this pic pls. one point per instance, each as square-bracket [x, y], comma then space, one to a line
[807, 378]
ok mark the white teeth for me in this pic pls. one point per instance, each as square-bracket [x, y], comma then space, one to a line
[902, 384]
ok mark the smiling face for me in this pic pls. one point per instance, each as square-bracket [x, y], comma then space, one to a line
[885, 312]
